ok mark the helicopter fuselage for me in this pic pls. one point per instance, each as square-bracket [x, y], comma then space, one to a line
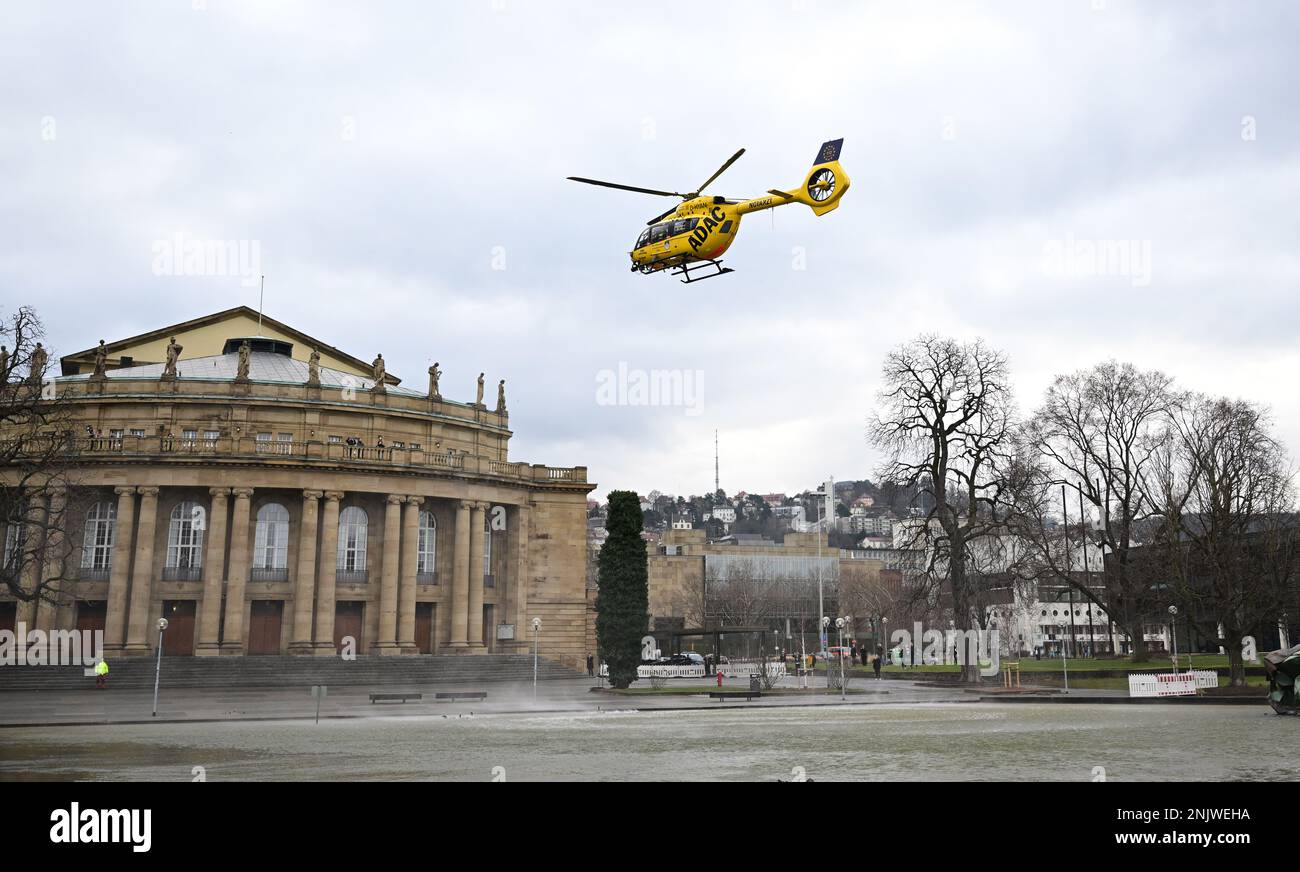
[699, 229]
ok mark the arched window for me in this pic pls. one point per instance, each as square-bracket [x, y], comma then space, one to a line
[427, 548]
[352, 539]
[271, 544]
[185, 537]
[97, 541]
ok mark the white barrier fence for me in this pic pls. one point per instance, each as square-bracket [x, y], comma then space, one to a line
[661, 671]
[746, 668]
[1172, 683]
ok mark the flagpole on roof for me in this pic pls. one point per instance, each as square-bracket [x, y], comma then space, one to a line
[260, 295]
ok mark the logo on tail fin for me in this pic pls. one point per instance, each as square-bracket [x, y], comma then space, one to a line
[829, 151]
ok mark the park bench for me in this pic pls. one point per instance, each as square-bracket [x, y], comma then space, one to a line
[453, 695]
[734, 694]
[393, 697]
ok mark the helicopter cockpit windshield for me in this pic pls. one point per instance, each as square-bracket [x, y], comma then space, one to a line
[664, 230]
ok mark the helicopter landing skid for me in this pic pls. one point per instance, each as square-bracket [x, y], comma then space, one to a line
[687, 270]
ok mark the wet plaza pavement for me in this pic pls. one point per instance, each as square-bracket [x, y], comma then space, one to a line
[859, 741]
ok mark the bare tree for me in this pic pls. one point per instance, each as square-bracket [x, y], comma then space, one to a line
[1228, 539]
[946, 423]
[36, 451]
[1097, 433]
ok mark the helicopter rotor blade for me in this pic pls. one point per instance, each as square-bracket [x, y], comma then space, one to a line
[722, 169]
[626, 187]
[659, 218]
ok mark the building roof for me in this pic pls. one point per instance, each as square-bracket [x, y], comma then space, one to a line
[263, 366]
[73, 362]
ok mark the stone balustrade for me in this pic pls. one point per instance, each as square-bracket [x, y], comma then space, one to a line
[160, 448]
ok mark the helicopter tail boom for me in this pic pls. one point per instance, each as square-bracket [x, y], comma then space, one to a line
[821, 190]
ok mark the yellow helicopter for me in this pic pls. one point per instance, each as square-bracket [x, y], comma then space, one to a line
[693, 236]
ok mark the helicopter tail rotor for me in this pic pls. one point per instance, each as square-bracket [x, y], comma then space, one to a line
[826, 182]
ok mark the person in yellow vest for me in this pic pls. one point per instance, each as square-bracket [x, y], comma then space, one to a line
[101, 674]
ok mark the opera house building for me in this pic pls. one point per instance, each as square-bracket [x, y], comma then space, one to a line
[270, 494]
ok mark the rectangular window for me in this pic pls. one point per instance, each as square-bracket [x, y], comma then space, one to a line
[137, 432]
[335, 440]
[97, 545]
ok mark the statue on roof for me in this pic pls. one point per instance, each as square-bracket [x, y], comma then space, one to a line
[39, 358]
[313, 368]
[4, 364]
[380, 373]
[478, 397]
[101, 360]
[245, 356]
[434, 375]
[173, 354]
[501, 397]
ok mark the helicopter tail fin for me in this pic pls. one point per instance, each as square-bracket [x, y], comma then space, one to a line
[826, 182]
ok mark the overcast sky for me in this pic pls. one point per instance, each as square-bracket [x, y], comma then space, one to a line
[401, 167]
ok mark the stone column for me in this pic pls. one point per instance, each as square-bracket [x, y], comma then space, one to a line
[304, 591]
[477, 518]
[31, 568]
[137, 628]
[460, 579]
[329, 560]
[232, 638]
[519, 575]
[406, 586]
[58, 592]
[387, 641]
[119, 573]
[214, 570]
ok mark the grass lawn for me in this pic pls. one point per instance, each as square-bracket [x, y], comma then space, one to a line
[1157, 663]
[698, 689]
[1085, 681]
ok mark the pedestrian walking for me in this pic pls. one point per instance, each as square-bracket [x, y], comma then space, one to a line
[591, 666]
[875, 666]
[101, 674]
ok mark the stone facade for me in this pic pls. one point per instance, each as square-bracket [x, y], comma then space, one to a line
[275, 516]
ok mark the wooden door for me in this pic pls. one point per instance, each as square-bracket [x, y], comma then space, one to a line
[264, 624]
[91, 615]
[489, 626]
[424, 627]
[178, 639]
[348, 618]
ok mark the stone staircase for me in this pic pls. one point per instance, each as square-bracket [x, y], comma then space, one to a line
[240, 672]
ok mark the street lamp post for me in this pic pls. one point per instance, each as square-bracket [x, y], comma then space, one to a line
[1173, 628]
[825, 633]
[884, 636]
[537, 628]
[839, 626]
[157, 671]
[1065, 661]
